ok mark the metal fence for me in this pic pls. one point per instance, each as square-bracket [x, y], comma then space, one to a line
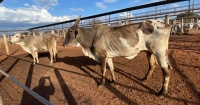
[114, 18]
[173, 12]
[131, 17]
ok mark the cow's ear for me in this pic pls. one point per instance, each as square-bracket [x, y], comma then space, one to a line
[77, 21]
[22, 36]
[146, 27]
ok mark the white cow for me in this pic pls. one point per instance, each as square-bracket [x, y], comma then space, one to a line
[102, 43]
[33, 44]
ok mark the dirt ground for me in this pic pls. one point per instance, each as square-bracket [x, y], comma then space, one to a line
[73, 79]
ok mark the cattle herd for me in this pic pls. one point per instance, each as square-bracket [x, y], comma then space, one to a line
[102, 43]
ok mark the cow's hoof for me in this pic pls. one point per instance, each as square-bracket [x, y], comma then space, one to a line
[112, 82]
[100, 85]
[161, 95]
[143, 80]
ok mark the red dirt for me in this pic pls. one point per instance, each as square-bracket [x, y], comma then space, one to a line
[74, 77]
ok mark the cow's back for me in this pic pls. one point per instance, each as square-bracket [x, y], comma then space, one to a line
[50, 40]
[35, 43]
[39, 43]
[116, 41]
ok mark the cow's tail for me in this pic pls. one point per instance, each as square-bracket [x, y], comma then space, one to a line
[54, 40]
[57, 40]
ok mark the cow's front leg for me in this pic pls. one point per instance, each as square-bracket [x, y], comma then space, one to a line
[103, 67]
[165, 65]
[110, 64]
[51, 56]
[35, 57]
[164, 89]
[152, 66]
[55, 54]
[34, 60]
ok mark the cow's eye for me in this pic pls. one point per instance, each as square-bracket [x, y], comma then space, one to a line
[149, 22]
[70, 31]
[16, 36]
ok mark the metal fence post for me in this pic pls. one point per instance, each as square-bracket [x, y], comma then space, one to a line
[167, 19]
[181, 26]
[6, 43]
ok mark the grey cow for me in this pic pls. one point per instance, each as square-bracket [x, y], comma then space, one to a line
[102, 43]
[33, 44]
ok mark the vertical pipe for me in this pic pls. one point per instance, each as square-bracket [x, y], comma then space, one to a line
[147, 16]
[181, 26]
[6, 43]
[33, 32]
[174, 28]
[193, 6]
[167, 19]
[197, 23]
[189, 6]
[109, 19]
[156, 12]
[64, 33]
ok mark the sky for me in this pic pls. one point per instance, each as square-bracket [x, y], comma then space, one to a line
[24, 14]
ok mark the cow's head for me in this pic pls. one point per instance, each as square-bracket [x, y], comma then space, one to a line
[72, 33]
[18, 37]
[149, 26]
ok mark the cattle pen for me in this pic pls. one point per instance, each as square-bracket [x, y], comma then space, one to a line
[73, 79]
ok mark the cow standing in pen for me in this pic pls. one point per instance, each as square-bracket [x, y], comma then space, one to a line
[33, 44]
[102, 43]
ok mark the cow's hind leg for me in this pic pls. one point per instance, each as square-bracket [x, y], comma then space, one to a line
[152, 66]
[110, 64]
[35, 57]
[51, 55]
[163, 61]
[54, 54]
[103, 67]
